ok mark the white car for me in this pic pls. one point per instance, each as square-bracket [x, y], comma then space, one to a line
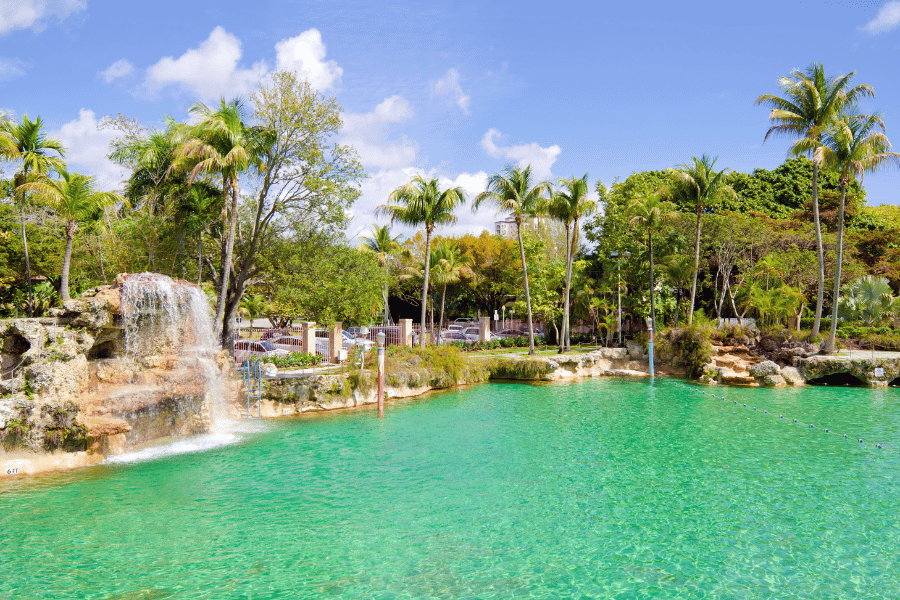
[473, 334]
[244, 349]
[351, 342]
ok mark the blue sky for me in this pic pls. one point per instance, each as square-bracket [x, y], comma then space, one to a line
[457, 89]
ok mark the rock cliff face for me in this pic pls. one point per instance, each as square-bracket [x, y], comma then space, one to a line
[70, 384]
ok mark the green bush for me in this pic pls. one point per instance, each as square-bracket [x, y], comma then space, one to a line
[295, 359]
[691, 348]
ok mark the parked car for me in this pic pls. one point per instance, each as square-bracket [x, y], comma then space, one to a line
[473, 334]
[289, 343]
[507, 333]
[244, 349]
[464, 321]
[271, 333]
[351, 342]
[447, 337]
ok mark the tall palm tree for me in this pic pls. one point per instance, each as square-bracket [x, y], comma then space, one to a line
[221, 144]
[152, 183]
[511, 191]
[383, 246]
[569, 206]
[74, 199]
[421, 202]
[649, 212]
[448, 263]
[26, 143]
[702, 183]
[810, 103]
[852, 147]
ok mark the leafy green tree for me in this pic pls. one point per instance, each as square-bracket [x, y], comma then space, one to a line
[222, 143]
[569, 206]
[701, 182]
[421, 202]
[867, 299]
[74, 199]
[512, 192]
[853, 147]
[810, 103]
[27, 144]
[495, 271]
[254, 305]
[384, 246]
[679, 271]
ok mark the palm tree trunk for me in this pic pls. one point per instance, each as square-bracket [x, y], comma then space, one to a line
[820, 252]
[690, 316]
[20, 179]
[829, 344]
[200, 259]
[67, 260]
[677, 304]
[563, 342]
[425, 284]
[226, 263]
[527, 290]
[387, 274]
[443, 298]
[652, 286]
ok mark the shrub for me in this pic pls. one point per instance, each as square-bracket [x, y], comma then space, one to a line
[295, 359]
[691, 348]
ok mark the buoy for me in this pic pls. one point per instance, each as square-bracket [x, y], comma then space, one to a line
[878, 445]
[826, 431]
[811, 425]
[846, 436]
[765, 411]
[795, 420]
[782, 416]
[860, 440]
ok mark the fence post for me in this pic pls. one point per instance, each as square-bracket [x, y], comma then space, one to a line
[405, 332]
[308, 337]
[484, 329]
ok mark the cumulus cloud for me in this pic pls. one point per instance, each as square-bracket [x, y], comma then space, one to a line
[887, 19]
[448, 87]
[368, 134]
[541, 159]
[209, 70]
[305, 54]
[34, 14]
[120, 68]
[87, 147]
[213, 68]
[10, 68]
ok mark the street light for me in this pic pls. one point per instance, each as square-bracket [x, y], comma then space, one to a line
[650, 343]
[380, 341]
[614, 254]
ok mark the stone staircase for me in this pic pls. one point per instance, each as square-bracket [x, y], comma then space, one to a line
[733, 365]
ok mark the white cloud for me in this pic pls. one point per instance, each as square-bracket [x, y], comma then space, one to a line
[120, 68]
[305, 54]
[449, 87]
[368, 134]
[213, 68]
[887, 19]
[24, 14]
[540, 159]
[87, 147]
[210, 70]
[10, 68]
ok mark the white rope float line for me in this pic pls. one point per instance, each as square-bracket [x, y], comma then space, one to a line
[879, 446]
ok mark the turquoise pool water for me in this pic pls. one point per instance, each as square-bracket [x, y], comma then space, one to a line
[596, 489]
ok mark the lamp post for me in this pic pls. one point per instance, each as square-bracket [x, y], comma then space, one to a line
[380, 341]
[614, 254]
[650, 343]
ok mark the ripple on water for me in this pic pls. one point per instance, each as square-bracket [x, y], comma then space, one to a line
[597, 489]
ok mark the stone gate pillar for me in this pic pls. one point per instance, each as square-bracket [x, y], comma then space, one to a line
[484, 329]
[405, 332]
[308, 337]
[335, 342]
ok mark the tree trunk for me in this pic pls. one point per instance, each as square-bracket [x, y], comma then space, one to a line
[690, 316]
[200, 259]
[563, 342]
[443, 298]
[428, 230]
[829, 344]
[527, 290]
[67, 260]
[820, 252]
[226, 263]
[652, 285]
[677, 305]
[20, 180]
[387, 273]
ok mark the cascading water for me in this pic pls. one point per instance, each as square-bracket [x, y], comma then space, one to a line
[163, 316]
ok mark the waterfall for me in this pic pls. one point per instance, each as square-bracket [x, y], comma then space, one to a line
[173, 318]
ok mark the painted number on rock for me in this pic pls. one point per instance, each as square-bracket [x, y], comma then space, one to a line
[12, 471]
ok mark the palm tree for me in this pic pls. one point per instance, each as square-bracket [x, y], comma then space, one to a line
[852, 147]
[382, 245]
[220, 144]
[867, 299]
[511, 191]
[74, 199]
[702, 183]
[649, 212]
[810, 103]
[152, 183]
[448, 263]
[254, 305]
[27, 143]
[569, 207]
[421, 202]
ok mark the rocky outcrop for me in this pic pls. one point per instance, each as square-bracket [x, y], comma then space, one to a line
[872, 372]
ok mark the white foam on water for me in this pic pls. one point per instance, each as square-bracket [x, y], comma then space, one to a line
[199, 443]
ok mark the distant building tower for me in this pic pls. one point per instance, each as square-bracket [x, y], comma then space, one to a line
[506, 227]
